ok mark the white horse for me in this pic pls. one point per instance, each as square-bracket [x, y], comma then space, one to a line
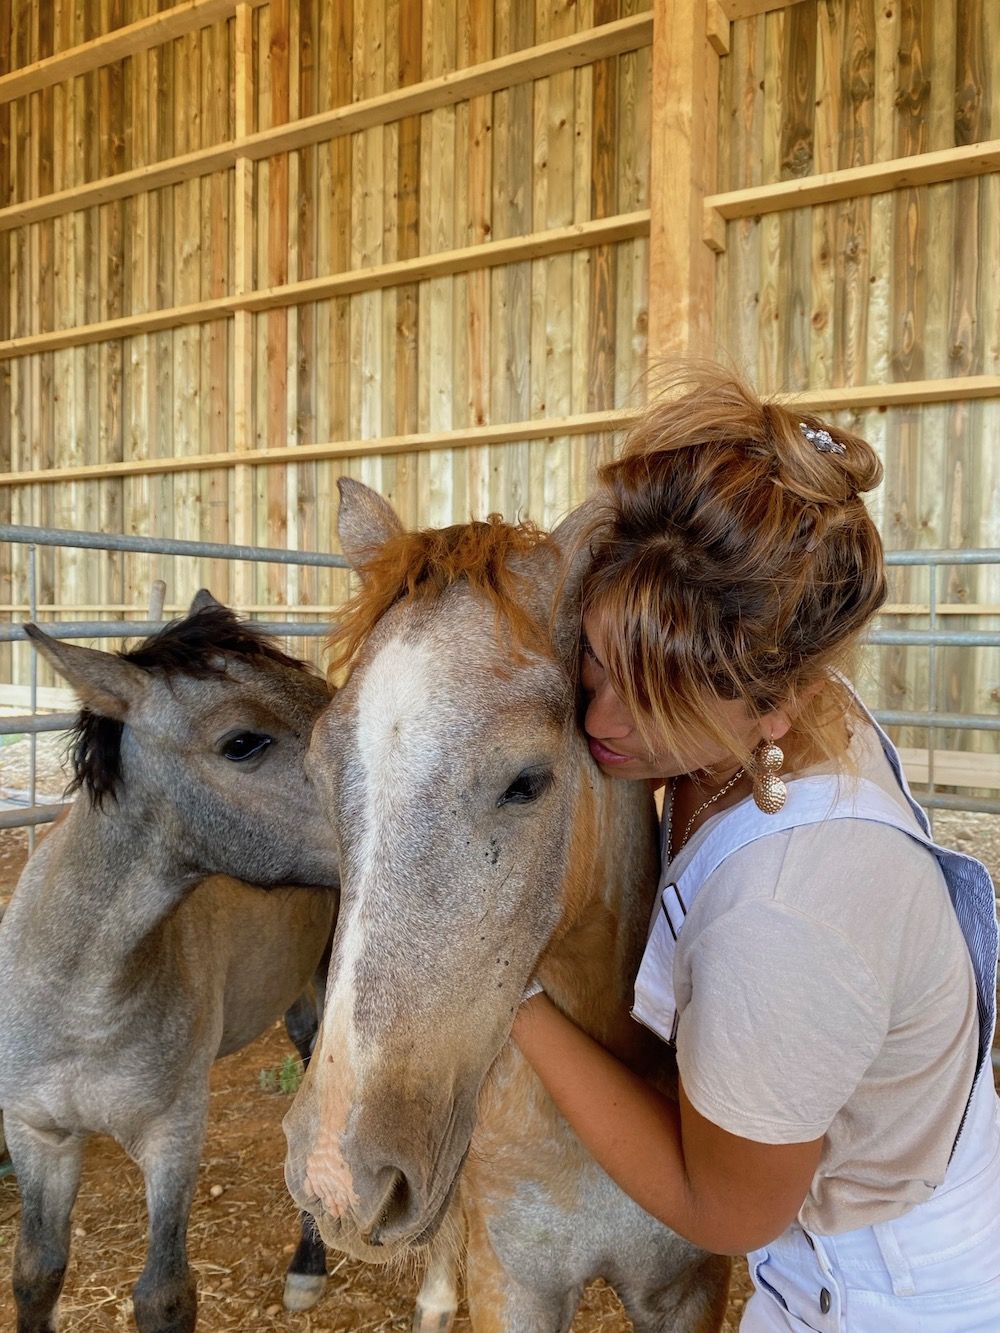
[479, 845]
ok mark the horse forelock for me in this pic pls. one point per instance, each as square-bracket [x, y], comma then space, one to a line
[196, 646]
[420, 566]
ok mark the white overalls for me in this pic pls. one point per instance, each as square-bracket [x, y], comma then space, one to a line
[937, 1268]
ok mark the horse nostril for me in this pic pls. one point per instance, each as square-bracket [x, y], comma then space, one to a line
[392, 1193]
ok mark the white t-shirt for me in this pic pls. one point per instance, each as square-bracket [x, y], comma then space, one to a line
[824, 988]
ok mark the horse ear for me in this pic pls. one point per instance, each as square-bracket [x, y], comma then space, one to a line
[366, 521]
[105, 683]
[201, 601]
[575, 537]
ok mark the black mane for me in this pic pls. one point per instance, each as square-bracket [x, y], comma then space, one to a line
[191, 647]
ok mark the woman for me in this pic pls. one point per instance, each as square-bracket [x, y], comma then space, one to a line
[826, 973]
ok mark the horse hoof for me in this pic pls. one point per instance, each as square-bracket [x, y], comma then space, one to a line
[303, 1290]
[427, 1320]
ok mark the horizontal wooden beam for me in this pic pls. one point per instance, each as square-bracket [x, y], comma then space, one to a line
[901, 393]
[717, 25]
[953, 768]
[173, 170]
[536, 62]
[830, 187]
[116, 45]
[107, 330]
[543, 428]
[490, 254]
[748, 9]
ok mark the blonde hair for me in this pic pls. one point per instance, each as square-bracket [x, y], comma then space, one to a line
[738, 561]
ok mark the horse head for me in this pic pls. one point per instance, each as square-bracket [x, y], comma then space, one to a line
[201, 732]
[471, 822]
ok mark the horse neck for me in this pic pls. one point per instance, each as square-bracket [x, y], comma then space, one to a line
[114, 876]
[608, 890]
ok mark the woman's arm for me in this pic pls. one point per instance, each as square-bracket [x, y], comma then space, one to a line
[724, 1193]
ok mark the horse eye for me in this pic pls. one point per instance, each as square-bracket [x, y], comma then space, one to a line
[526, 787]
[244, 745]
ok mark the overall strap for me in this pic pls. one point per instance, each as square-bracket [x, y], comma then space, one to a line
[811, 800]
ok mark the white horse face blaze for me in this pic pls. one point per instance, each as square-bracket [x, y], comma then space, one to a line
[449, 775]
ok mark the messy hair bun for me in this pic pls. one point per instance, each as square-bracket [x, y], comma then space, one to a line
[740, 560]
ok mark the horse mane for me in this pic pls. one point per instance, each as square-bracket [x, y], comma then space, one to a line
[420, 566]
[193, 646]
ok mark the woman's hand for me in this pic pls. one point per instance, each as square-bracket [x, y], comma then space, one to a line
[721, 1192]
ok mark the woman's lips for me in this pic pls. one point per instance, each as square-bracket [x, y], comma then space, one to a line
[603, 755]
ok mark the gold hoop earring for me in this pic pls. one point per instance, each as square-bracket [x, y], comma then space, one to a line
[769, 792]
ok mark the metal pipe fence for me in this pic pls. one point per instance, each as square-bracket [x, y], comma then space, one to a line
[32, 724]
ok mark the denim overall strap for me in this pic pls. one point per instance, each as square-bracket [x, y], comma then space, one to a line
[973, 897]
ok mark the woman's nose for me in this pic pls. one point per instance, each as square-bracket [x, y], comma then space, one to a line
[607, 718]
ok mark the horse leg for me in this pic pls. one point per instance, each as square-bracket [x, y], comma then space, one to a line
[302, 1024]
[164, 1296]
[48, 1176]
[499, 1302]
[305, 1280]
[693, 1300]
[437, 1300]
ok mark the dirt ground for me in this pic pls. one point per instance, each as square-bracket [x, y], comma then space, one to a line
[243, 1224]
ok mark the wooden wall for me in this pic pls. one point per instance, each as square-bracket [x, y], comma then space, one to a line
[396, 239]
[557, 333]
[899, 288]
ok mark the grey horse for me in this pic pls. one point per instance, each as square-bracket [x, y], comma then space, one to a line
[479, 845]
[124, 970]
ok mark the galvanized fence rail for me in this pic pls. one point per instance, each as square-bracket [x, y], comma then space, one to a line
[932, 638]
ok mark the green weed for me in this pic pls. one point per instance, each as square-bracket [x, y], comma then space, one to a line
[286, 1079]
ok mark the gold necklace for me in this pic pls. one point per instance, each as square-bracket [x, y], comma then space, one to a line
[704, 806]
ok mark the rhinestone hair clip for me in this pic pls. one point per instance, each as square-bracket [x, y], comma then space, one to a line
[821, 440]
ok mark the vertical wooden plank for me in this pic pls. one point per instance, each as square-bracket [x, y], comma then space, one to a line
[966, 473]
[585, 451]
[272, 515]
[435, 471]
[853, 227]
[774, 227]
[551, 279]
[306, 102]
[604, 203]
[406, 298]
[739, 266]
[510, 290]
[333, 254]
[367, 222]
[797, 159]
[109, 274]
[681, 272]
[243, 331]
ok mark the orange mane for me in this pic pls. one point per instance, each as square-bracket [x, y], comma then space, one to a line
[419, 566]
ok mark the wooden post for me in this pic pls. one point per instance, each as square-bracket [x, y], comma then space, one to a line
[681, 265]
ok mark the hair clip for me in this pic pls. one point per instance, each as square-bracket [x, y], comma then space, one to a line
[821, 440]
